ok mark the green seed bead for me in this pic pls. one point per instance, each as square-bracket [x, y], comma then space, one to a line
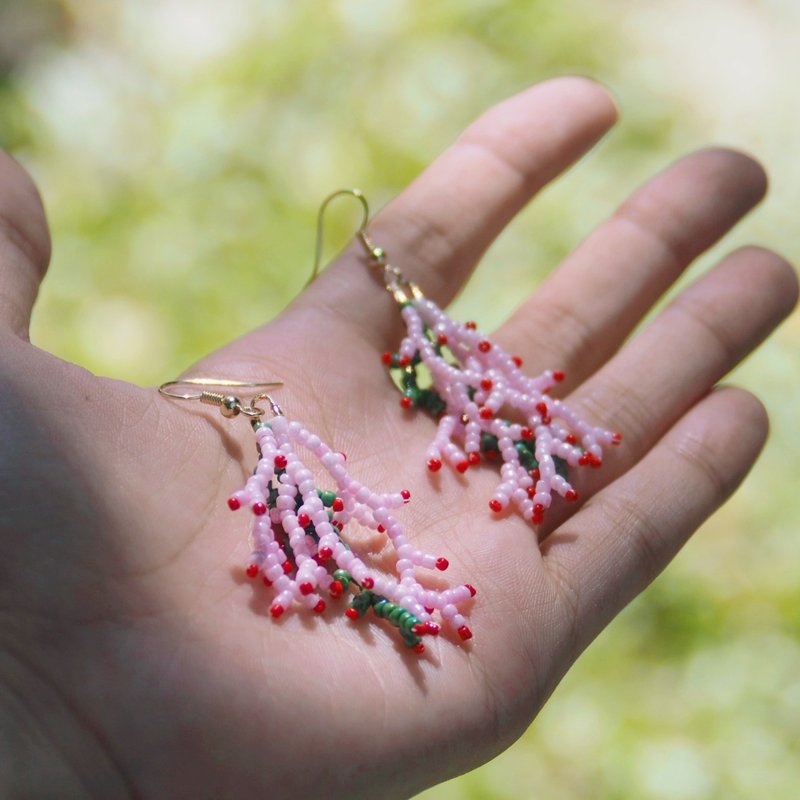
[408, 622]
[409, 380]
[362, 601]
[380, 606]
[326, 496]
[489, 442]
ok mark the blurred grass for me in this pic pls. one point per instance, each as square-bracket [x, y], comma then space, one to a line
[183, 149]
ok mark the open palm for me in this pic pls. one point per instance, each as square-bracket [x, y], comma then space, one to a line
[137, 660]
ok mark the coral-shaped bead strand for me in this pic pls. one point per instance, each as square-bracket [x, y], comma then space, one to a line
[473, 384]
[299, 548]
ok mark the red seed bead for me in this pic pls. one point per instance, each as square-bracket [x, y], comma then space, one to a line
[526, 434]
[429, 610]
[406, 402]
[381, 529]
[490, 455]
[434, 465]
[496, 506]
[419, 648]
[386, 358]
[442, 564]
[570, 438]
[319, 607]
[338, 504]
[287, 566]
[406, 495]
[252, 570]
[368, 583]
[537, 519]
[280, 461]
[517, 361]
[267, 581]
[276, 610]
[570, 495]
[584, 460]
[336, 588]
[531, 491]
[419, 629]
[535, 474]
[303, 520]
[538, 509]
[486, 385]
[558, 376]
[352, 614]
[474, 458]
[462, 466]
[325, 553]
[432, 628]
[616, 438]
[471, 326]
[306, 588]
[404, 361]
[441, 339]
[233, 503]
[472, 589]
[259, 509]
[465, 633]
[484, 346]
[542, 408]
[486, 413]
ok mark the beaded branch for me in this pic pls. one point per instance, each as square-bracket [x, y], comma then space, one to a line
[298, 544]
[485, 405]
[471, 382]
[299, 549]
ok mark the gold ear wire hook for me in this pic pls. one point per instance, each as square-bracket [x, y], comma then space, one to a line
[401, 289]
[229, 405]
[375, 253]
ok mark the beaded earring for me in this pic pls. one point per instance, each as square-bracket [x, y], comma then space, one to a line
[472, 386]
[296, 536]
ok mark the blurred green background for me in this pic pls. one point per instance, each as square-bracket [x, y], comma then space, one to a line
[183, 147]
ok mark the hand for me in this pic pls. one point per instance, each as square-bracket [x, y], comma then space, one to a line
[135, 657]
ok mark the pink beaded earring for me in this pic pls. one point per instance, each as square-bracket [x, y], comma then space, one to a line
[297, 540]
[472, 387]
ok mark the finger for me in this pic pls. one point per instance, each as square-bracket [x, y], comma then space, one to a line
[24, 246]
[625, 536]
[437, 229]
[691, 345]
[581, 315]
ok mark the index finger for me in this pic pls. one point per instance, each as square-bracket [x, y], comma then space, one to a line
[438, 228]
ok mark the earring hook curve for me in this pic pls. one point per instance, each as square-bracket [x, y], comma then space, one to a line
[228, 404]
[353, 192]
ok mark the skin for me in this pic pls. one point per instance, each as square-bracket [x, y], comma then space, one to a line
[137, 660]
